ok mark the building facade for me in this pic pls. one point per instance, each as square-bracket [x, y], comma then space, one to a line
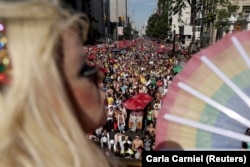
[118, 9]
[176, 22]
[181, 25]
[244, 5]
[239, 20]
[97, 13]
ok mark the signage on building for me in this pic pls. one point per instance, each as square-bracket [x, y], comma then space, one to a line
[187, 30]
[120, 30]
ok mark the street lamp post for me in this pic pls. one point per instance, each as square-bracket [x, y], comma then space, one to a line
[173, 50]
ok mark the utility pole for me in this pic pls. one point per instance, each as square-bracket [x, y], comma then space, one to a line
[117, 22]
[133, 23]
[202, 22]
[173, 49]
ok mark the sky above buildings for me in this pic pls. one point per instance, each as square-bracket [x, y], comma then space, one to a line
[140, 11]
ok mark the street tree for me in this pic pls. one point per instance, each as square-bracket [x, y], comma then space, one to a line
[223, 14]
[151, 30]
[158, 25]
[197, 7]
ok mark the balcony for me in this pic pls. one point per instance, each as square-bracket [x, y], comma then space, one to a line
[245, 15]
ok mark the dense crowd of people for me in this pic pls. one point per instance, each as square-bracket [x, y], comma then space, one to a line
[60, 97]
[131, 68]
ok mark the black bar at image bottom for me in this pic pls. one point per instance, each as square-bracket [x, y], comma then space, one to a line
[237, 158]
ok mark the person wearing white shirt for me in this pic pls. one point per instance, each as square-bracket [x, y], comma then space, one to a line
[105, 139]
[118, 141]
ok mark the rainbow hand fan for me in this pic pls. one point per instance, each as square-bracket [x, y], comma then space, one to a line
[208, 104]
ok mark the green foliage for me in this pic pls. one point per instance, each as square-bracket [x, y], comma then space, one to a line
[127, 31]
[222, 17]
[224, 14]
[214, 16]
[158, 26]
[151, 27]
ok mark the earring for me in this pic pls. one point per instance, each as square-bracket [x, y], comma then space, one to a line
[4, 58]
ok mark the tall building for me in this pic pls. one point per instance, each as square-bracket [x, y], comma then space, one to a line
[104, 15]
[97, 13]
[94, 10]
[106, 12]
[143, 29]
[118, 9]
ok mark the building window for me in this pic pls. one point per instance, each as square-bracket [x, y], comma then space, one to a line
[198, 29]
[246, 9]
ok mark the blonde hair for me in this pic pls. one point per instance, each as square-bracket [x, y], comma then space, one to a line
[37, 125]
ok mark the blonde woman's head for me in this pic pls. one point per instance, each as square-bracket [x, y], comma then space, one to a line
[53, 97]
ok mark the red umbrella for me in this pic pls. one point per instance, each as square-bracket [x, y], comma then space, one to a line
[146, 98]
[91, 57]
[112, 61]
[134, 104]
[104, 49]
